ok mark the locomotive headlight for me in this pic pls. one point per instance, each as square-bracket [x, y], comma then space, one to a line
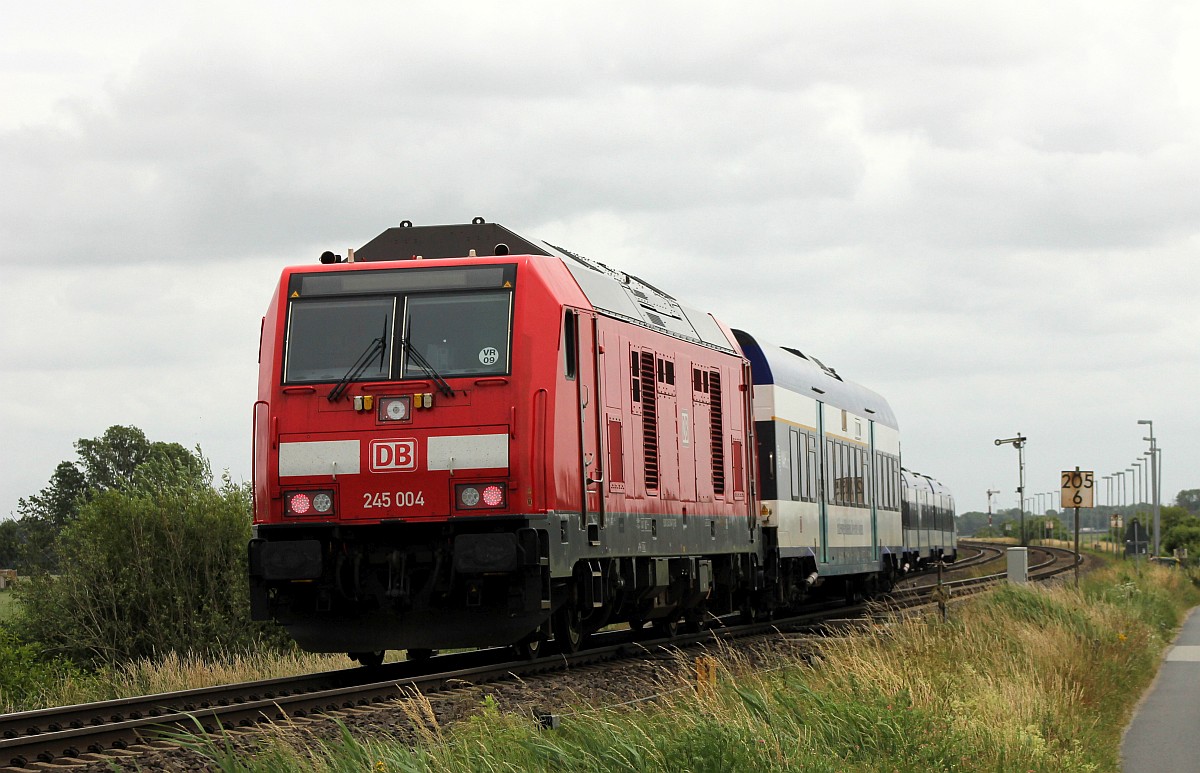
[395, 408]
[469, 496]
[322, 502]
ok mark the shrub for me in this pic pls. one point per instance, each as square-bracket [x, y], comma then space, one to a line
[25, 675]
[160, 568]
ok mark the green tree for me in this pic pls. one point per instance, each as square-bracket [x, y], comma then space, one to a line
[1173, 515]
[1185, 535]
[1189, 499]
[122, 459]
[11, 539]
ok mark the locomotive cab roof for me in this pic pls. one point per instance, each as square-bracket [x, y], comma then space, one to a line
[611, 292]
[408, 242]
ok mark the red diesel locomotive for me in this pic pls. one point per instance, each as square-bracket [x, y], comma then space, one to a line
[464, 438]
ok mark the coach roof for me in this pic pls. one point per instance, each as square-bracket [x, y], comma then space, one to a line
[792, 370]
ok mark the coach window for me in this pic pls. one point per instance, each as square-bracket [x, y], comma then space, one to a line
[811, 473]
[829, 468]
[856, 493]
[847, 475]
[794, 435]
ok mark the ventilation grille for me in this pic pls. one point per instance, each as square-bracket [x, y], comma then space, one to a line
[717, 433]
[649, 421]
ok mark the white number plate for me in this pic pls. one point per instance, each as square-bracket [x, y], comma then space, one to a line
[392, 499]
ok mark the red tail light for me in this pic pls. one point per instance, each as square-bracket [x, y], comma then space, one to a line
[319, 502]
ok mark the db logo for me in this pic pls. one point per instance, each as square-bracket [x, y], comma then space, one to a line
[393, 455]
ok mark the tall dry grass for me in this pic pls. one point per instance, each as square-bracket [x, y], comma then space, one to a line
[1020, 679]
[168, 673]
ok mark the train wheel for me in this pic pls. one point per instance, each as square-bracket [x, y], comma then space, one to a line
[369, 659]
[667, 627]
[568, 628]
[529, 648]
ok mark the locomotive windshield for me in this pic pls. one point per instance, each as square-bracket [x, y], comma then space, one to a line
[327, 337]
[459, 334]
[398, 336]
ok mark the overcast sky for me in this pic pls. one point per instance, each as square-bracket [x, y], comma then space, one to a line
[988, 213]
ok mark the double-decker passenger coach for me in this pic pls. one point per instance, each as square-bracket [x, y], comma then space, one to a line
[464, 438]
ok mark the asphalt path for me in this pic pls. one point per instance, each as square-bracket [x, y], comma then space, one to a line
[1164, 735]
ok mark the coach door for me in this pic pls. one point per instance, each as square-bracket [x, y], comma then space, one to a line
[587, 385]
[870, 478]
[823, 474]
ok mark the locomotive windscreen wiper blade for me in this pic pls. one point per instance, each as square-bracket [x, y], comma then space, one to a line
[356, 370]
[442, 386]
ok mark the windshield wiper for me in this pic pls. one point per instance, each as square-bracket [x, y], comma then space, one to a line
[376, 346]
[442, 386]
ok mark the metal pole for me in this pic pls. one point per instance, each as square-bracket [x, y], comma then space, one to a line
[1154, 481]
[1157, 489]
[1021, 463]
[1141, 465]
[1019, 443]
[1126, 496]
[1137, 483]
[1108, 491]
[1076, 548]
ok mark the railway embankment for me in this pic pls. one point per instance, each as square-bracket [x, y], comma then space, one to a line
[1022, 678]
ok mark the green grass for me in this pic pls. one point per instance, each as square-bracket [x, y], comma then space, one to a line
[1025, 678]
[6, 604]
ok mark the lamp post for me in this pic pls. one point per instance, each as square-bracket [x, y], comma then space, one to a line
[1130, 491]
[1018, 443]
[1139, 476]
[1108, 482]
[1154, 479]
[1120, 497]
[1158, 483]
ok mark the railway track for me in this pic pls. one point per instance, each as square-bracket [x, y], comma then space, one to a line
[89, 733]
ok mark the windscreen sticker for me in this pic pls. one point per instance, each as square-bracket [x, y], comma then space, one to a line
[489, 355]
